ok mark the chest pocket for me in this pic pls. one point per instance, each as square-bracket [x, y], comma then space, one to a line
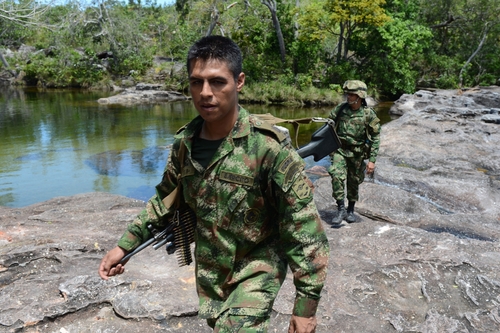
[241, 208]
[352, 129]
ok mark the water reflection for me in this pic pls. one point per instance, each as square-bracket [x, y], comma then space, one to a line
[127, 163]
[60, 143]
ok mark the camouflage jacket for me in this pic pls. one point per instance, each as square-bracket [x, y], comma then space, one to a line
[353, 126]
[255, 216]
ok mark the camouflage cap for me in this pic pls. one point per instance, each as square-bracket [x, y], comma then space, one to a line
[355, 87]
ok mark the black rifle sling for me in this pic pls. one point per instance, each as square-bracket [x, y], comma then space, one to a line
[184, 218]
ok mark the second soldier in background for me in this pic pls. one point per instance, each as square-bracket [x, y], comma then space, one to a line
[358, 129]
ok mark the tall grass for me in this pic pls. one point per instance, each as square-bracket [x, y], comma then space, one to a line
[278, 93]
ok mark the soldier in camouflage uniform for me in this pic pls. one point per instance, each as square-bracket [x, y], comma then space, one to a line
[253, 202]
[358, 127]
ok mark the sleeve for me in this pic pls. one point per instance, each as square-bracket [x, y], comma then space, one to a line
[301, 232]
[333, 114]
[374, 129]
[138, 232]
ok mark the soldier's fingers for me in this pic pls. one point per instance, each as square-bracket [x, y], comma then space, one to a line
[120, 269]
[104, 270]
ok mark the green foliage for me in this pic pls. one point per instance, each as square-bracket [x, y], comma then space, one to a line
[67, 69]
[12, 34]
[276, 92]
[458, 28]
[487, 80]
[393, 45]
[447, 81]
[396, 49]
[261, 60]
[307, 58]
[341, 72]
[369, 12]
[303, 81]
[337, 88]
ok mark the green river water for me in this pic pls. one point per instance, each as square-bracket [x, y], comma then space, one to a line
[61, 143]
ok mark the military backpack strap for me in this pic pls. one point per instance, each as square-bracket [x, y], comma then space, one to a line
[268, 122]
[366, 111]
[183, 221]
[337, 117]
[371, 124]
[173, 198]
[270, 128]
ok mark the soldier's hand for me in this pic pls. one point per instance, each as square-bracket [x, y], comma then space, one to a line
[302, 325]
[110, 265]
[370, 168]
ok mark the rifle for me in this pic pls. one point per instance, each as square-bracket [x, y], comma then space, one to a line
[177, 236]
[323, 142]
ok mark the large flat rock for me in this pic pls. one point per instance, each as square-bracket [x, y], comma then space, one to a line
[424, 255]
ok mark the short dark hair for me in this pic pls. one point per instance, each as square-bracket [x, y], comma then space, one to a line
[217, 48]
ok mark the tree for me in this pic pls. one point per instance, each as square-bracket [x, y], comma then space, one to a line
[24, 14]
[390, 55]
[182, 7]
[393, 55]
[349, 15]
[271, 4]
[460, 76]
[465, 40]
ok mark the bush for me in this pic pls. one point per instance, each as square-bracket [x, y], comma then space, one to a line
[276, 92]
[447, 81]
[67, 69]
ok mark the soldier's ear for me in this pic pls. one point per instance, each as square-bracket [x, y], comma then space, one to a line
[240, 82]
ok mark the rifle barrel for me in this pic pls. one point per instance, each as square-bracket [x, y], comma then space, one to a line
[138, 249]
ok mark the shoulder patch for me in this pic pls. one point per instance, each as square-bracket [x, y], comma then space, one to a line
[290, 168]
[285, 164]
[301, 189]
[292, 172]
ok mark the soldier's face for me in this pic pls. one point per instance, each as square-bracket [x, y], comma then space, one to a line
[214, 90]
[353, 100]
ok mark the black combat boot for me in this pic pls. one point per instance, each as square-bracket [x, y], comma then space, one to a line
[341, 213]
[350, 218]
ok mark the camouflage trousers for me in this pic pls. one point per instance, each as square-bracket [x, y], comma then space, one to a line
[350, 170]
[231, 323]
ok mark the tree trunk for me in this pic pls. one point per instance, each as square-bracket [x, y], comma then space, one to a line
[340, 43]
[6, 65]
[213, 22]
[279, 35]
[296, 24]
[460, 76]
[271, 4]
[296, 37]
[347, 39]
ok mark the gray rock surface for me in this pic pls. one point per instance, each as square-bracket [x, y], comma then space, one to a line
[423, 257]
[143, 93]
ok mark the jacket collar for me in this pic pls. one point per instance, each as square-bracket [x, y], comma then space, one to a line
[241, 127]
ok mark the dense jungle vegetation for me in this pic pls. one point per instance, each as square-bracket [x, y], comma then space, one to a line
[300, 46]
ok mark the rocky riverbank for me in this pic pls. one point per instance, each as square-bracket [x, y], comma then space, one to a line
[143, 93]
[423, 257]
